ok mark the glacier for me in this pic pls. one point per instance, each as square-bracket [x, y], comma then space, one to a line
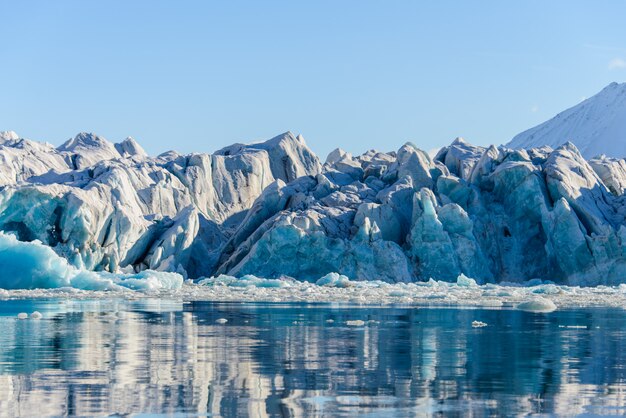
[107, 215]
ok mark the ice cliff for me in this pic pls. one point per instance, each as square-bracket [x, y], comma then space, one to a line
[272, 209]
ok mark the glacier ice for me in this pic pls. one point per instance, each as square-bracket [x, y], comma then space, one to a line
[96, 215]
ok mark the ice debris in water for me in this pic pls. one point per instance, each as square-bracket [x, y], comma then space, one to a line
[538, 296]
[478, 324]
[36, 315]
[355, 323]
[22, 315]
[244, 281]
[538, 304]
[32, 265]
[221, 321]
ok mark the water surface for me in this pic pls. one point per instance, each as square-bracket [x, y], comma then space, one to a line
[121, 357]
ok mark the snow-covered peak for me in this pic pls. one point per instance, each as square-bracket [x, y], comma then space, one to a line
[596, 126]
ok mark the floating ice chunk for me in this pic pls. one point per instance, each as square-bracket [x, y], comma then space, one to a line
[491, 303]
[36, 315]
[355, 323]
[533, 282]
[22, 315]
[478, 324]
[398, 293]
[334, 280]
[248, 280]
[537, 304]
[547, 289]
[330, 321]
[465, 281]
[221, 321]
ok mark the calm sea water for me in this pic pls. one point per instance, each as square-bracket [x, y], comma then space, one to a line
[116, 357]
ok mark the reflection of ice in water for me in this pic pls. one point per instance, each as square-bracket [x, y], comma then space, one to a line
[287, 360]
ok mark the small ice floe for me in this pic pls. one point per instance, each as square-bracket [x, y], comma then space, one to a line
[221, 321]
[22, 315]
[330, 321]
[36, 315]
[355, 323]
[478, 324]
[537, 304]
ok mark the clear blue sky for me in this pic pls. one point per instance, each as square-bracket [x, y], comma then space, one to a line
[195, 76]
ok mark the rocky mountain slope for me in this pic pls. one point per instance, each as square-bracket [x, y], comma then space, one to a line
[272, 209]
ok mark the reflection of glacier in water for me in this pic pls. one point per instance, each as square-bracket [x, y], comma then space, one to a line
[160, 356]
